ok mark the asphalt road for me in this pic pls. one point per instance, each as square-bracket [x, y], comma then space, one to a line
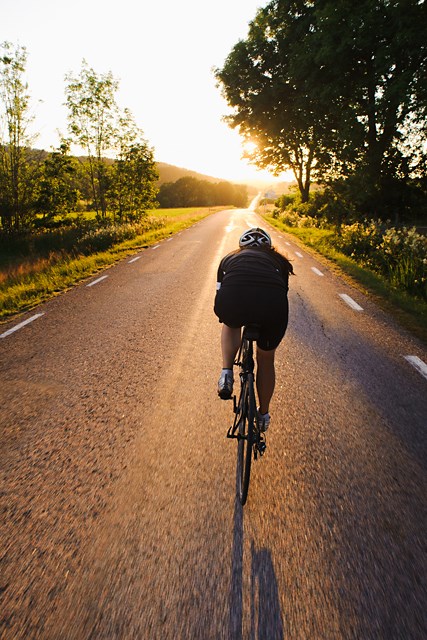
[119, 518]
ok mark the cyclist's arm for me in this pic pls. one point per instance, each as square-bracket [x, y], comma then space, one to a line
[219, 276]
[222, 269]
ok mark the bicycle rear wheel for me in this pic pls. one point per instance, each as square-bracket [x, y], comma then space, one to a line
[246, 433]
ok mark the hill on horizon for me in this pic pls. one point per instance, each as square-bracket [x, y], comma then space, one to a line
[172, 173]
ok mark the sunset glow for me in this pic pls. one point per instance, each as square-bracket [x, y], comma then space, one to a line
[162, 54]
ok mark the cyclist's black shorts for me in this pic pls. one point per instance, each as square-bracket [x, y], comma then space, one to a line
[237, 306]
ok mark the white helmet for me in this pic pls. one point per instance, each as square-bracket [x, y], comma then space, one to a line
[255, 237]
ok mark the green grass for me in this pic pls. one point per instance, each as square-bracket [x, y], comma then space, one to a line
[409, 311]
[27, 281]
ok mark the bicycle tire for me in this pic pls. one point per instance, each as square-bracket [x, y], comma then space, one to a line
[246, 431]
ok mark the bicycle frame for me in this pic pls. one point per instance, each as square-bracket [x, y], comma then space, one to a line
[244, 429]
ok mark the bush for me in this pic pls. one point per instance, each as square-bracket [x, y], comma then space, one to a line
[404, 252]
[81, 237]
[360, 241]
[398, 254]
[102, 238]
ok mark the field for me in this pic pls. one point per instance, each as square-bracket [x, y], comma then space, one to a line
[38, 266]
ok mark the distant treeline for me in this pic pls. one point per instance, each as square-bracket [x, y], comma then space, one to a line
[192, 192]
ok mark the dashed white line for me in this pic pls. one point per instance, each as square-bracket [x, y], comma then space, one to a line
[20, 325]
[351, 303]
[317, 271]
[156, 247]
[288, 243]
[96, 281]
[134, 259]
[297, 253]
[419, 365]
[169, 239]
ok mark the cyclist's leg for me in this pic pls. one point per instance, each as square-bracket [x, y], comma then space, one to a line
[272, 333]
[230, 343]
[265, 378]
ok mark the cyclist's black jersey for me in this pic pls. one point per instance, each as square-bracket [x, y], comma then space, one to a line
[253, 266]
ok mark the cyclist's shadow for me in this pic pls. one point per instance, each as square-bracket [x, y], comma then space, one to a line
[265, 615]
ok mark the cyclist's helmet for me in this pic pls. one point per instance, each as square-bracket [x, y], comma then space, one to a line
[255, 237]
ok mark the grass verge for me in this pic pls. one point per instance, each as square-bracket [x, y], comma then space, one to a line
[410, 312]
[41, 279]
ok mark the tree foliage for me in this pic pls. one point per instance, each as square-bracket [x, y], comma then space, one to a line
[92, 123]
[334, 90]
[17, 166]
[270, 109]
[134, 174]
[57, 192]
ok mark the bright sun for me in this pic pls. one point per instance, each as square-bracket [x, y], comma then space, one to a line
[249, 147]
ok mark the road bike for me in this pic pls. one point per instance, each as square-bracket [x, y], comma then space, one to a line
[250, 441]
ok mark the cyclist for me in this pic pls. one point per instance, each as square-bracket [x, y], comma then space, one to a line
[252, 288]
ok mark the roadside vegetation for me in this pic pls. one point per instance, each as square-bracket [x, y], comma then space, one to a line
[35, 267]
[390, 262]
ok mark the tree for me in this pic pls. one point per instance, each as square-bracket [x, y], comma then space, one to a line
[56, 190]
[134, 174]
[334, 90]
[270, 109]
[16, 168]
[370, 70]
[92, 119]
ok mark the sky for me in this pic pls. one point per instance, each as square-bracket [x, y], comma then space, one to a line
[162, 52]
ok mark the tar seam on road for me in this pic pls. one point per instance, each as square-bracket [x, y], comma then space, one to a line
[419, 365]
[20, 325]
[351, 303]
[96, 281]
[316, 271]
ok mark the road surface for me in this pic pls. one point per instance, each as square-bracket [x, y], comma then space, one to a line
[119, 517]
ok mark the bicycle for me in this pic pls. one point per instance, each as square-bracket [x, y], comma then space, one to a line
[250, 441]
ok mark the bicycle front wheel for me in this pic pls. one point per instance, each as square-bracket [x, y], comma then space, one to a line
[246, 437]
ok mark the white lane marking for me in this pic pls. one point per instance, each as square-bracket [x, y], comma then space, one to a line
[317, 271]
[169, 239]
[134, 259]
[288, 243]
[351, 303]
[419, 365]
[298, 254]
[230, 227]
[96, 281]
[20, 325]
[156, 247]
